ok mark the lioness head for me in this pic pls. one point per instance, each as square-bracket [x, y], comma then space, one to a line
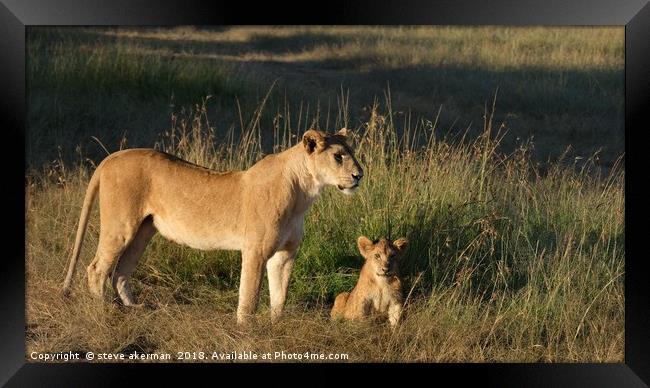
[331, 160]
[382, 255]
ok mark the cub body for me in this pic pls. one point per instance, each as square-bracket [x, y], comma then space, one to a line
[379, 288]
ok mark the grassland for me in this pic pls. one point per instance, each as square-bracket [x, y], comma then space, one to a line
[560, 86]
[511, 260]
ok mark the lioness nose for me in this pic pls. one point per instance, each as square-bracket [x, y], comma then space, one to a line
[357, 177]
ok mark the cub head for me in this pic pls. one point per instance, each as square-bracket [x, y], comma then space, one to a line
[382, 255]
[331, 160]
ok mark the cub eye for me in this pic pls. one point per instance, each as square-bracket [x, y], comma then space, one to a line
[377, 256]
[338, 158]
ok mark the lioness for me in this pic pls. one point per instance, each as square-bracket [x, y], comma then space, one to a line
[259, 211]
[379, 288]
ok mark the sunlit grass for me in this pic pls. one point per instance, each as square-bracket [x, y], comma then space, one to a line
[506, 262]
[560, 85]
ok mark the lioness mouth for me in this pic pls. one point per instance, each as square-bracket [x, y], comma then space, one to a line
[354, 186]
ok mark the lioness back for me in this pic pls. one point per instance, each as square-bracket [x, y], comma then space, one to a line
[188, 203]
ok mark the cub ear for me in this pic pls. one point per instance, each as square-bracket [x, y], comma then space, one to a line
[401, 244]
[313, 140]
[343, 132]
[364, 244]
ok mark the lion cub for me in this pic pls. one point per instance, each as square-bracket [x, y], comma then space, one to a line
[379, 288]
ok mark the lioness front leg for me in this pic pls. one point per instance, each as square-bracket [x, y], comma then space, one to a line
[252, 269]
[278, 270]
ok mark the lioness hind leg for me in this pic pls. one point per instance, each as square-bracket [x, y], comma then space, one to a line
[110, 248]
[129, 260]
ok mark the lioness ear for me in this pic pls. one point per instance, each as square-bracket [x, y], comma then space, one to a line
[313, 140]
[343, 132]
[365, 245]
[401, 244]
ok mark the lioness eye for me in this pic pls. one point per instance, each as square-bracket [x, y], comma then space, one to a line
[338, 158]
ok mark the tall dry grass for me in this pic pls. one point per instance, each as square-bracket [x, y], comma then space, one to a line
[506, 262]
[562, 85]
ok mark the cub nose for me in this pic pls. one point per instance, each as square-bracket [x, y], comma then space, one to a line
[357, 177]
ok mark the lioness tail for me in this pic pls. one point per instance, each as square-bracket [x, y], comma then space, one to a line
[91, 192]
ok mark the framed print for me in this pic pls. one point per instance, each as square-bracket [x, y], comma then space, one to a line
[437, 186]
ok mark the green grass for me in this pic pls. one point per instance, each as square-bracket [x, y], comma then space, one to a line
[505, 264]
[559, 85]
[515, 214]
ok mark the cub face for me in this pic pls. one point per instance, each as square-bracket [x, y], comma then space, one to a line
[383, 256]
[332, 161]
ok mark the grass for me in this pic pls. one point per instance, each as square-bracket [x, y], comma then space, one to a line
[515, 214]
[558, 86]
[507, 263]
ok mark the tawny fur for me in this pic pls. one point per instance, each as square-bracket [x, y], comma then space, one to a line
[379, 288]
[259, 211]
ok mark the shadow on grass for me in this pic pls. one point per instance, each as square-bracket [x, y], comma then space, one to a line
[557, 107]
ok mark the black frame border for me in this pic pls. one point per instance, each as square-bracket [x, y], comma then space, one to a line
[15, 15]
